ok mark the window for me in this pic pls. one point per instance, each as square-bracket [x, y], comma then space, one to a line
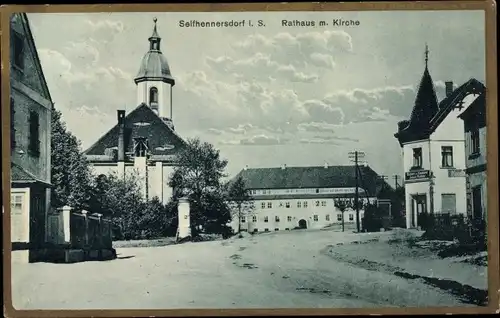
[339, 217]
[317, 190]
[323, 203]
[255, 230]
[287, 229]
[140, 147]
[263, 205]
[351, 217]
[34, 134]
[417, 157]
[474, 142]
[281, 204]
[315, 218]
[185, 217]
[287, 205]
[12, 124]
[299, 204]
[153, 95]
[18, 50]
[317, 203]
[449, 203]
[254, 219]
[276, 229]
[243, 219]
[327, 217]
[266, 230]
[269, 205]
[16, 204]
[447, 156]
[305, 204]
[266, 219]
[289, 218]
[276, 218]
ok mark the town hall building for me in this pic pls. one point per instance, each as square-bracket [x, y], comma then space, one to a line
[305, 197]
[143, 142]
[433, 145]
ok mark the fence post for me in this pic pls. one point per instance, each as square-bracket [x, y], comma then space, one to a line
[86, 236]
[99, 224]
[66, 215]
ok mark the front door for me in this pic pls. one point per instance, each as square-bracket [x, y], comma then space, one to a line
[419, 206]
[477, 206]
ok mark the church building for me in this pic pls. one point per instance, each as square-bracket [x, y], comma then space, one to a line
[144, 141]
[433, 146]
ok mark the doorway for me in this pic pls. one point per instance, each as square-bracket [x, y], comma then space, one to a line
[419, 206]
[477, 206]
[303, 224]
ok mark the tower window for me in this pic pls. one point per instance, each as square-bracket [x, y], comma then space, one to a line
[141, 147]
[153, 95]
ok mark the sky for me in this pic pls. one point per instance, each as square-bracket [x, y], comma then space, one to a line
[264, 96]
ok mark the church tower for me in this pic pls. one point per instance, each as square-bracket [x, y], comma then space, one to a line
[154, 80]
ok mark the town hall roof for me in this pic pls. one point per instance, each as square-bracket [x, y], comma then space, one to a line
[311, 177]
[163, 141]
[154, 65]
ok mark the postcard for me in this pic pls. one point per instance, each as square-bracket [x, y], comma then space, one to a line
[245, 159]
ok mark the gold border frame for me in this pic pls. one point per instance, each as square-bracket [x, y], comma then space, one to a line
[489, 6]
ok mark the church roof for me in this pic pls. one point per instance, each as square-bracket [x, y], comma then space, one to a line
[163, 141]
[154, 65]
[311, 177]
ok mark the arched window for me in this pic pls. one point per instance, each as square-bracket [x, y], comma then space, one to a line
[153, 95]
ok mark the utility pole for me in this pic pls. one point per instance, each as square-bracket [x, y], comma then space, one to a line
[357, 155]
[396, 177]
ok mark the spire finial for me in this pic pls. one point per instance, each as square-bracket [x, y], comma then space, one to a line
[426, 54]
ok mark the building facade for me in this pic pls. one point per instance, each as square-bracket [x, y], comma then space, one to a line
[474, 119]
[433, 146]
[30, 134]
[143, 142]
[304, 197]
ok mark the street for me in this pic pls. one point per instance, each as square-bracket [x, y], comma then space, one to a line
[275, 270]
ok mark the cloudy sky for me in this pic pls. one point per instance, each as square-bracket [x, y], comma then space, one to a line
[264, 96]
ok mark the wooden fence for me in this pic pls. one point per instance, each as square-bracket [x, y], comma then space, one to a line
[90, 231]
[80, 230]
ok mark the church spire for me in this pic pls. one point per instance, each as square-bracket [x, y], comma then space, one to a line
[154, 40]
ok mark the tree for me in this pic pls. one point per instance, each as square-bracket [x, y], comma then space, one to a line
[240, 200]
[198, 176]
[342, 205]
[70, 172]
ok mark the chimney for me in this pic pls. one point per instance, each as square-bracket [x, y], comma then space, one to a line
[449, 88]
[283, 166]
[121, 135]
[326, 165]
[246, 167]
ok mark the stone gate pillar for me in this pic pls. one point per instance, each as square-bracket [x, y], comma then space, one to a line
[184, 227]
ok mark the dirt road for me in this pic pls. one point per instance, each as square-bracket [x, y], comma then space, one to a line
[275, 270]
